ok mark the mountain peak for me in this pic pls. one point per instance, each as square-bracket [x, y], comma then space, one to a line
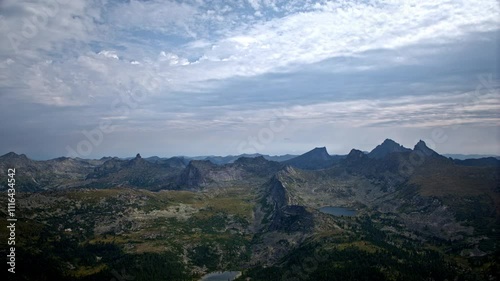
[387, 147]
[138, 160]
[422, 147]
[320, 148]
[13, 155]
[318, 158]
[319, 151]
[421, 143]
[389, 142]
[10, 154]
[355, 154]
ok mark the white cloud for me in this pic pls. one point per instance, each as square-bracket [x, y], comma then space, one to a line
[48, 25]
[255, 4]
[172, 59]
[163, 16]
[109, 54]
[403, 112]
[322, 30]
[98, 49]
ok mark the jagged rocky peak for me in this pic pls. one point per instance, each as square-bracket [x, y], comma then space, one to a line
[317, 158]
[13, 155]
[354, 157]
[10, 154]
[319, 152]
[138, 160]
[422, 147]
[18, 159]
[355, 154]
[387, 147]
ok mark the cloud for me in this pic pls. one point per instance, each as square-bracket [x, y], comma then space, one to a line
[215, 65]
[109, 54]
[161, 16]
[406, 111]
[255, 4]
[319, 31]
[43, 26]
[172, 59]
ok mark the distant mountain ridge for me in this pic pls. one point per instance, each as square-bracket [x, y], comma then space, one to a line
[157, 173]
[470, 156]
[221, 160]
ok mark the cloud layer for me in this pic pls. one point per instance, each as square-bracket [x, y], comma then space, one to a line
[219, 71]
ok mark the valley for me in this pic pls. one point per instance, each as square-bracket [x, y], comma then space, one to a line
[180, 219]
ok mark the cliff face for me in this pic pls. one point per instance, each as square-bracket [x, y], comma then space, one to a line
[200, 174]
[286, 217]
[56, 173]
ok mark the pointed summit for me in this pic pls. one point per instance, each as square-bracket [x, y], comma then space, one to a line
[422, 147]
[387, 147]
[13, 157]
[355, 157]
[355, 154]
[319, 152]
[138, 160]
[318, 158]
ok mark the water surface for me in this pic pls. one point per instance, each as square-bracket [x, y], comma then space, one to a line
[338, 211]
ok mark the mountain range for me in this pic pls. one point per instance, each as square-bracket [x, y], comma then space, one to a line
[414, 209]
[155, 173]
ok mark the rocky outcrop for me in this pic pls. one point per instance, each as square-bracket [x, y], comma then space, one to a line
[34, 175]
[200, 174]
[387, 147]
[315, 159]
[286, 217]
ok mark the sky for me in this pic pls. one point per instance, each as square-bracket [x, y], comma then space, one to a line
[93, 78]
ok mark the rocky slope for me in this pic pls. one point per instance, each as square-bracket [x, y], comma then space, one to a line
[253, 214]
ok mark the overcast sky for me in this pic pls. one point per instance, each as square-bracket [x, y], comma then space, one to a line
[93, 78]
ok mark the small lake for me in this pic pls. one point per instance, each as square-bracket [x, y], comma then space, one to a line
[338, 211]
[221, 276]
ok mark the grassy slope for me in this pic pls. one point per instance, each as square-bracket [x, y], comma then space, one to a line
[188, 225]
